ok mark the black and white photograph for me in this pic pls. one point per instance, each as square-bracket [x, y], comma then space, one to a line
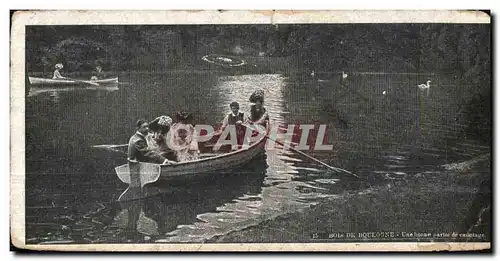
[182, 134]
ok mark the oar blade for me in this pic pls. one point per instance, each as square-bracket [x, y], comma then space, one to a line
[304, 154]
[85, 82]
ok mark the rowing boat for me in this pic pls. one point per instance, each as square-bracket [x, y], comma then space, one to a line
[35, 81]
[138, 174]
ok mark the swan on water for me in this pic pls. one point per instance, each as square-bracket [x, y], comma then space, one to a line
[344, 75]
[425, 87]
[383, 92]
[312, 73]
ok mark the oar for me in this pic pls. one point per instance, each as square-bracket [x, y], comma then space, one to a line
[114, 147]
[110, 146]
[82, 81]
[306, 155]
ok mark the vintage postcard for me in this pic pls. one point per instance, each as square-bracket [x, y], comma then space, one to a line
[251, 130]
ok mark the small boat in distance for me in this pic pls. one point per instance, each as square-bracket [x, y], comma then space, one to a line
[35, 81]
[223, 60]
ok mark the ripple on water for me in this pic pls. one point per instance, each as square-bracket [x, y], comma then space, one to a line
[280, 193]
[307, 169]
[327, 181]
[287, 158]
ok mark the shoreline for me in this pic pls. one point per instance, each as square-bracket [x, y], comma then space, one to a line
[435, 203]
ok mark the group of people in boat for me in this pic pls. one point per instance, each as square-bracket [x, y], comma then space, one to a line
[149, 143]
[257, 115]
[97, 73]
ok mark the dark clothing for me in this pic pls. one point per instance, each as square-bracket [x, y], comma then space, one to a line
[97, 75]
[231, 119]
[258, 115]
[240, 130]
[164, 150]
[138, 150]
[169, 154]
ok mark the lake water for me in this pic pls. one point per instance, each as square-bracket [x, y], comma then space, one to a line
[72, 190]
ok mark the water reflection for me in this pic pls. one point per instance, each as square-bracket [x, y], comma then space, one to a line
[55, 92]
[283, 190]
[170, 205]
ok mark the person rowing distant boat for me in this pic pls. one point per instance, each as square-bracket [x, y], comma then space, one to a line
[138, 149]
[97, 73]
[57, 74]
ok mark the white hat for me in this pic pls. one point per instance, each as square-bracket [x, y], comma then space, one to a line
[165, 121]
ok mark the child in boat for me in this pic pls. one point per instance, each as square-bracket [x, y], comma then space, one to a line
[236, 119]
[183, 140]
[157, 140]
[57, 74]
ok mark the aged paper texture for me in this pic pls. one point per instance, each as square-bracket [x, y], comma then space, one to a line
[251, 130]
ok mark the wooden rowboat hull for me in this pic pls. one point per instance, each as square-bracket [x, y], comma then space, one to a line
[218, 164]
[35, 81]
[146, 173]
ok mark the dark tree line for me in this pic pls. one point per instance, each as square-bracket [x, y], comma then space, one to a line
[459, 49]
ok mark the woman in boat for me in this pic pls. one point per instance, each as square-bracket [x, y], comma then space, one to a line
[258, 114]
[157, 140]
[97, 73]
[57, 74]
[183, 140]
